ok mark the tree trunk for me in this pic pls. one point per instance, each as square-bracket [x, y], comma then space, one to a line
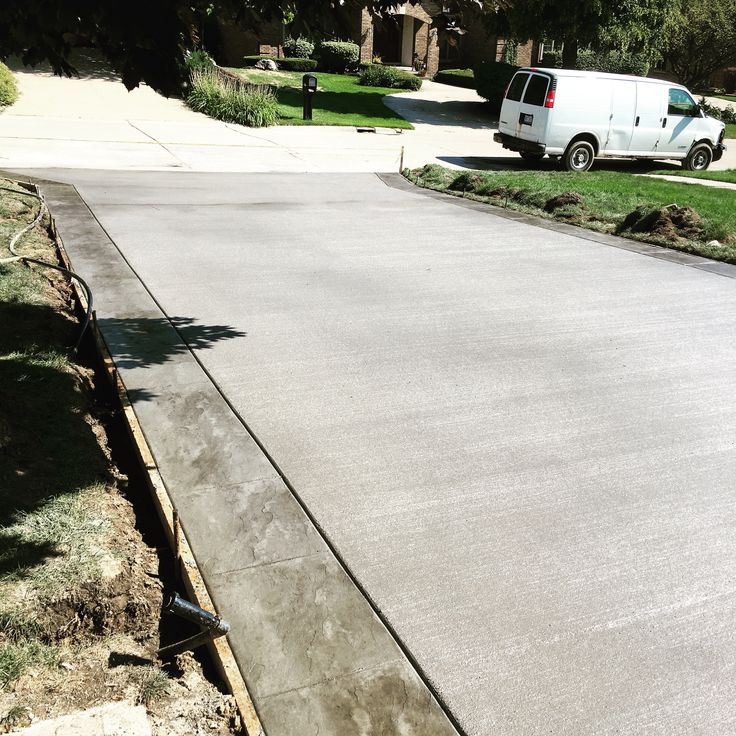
[570, 53]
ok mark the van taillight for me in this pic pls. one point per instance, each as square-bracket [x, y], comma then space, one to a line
[549, 101]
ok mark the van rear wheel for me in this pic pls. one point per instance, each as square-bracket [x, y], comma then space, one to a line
[699, 158]
[579, 156]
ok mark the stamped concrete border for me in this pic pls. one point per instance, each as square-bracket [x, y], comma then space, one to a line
[397, 181]
[314, 653]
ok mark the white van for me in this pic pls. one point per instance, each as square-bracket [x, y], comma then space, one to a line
[579, 115]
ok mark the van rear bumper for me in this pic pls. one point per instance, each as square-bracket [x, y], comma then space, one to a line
[518, 144]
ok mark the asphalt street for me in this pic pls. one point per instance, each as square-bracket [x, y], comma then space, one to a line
[520, 442]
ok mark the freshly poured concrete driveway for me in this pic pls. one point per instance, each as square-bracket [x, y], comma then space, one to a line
[520, 442]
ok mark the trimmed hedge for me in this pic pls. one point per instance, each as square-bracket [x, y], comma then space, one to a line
[298, 48]
[286, 64]
[377, 75]
[456, 77]
[8, 86]
[491, 79]
[611, 62]
[726, 115]
[337, 56]
[225, 99]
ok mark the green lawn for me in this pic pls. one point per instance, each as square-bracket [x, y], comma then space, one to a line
[340, 100]
[728, 175]
[731, 131]
[729, 98]
[608, 198]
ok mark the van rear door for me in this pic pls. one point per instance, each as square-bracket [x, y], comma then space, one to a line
[534, 109]
[508, 122]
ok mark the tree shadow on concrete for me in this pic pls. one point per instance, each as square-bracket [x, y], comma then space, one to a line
[145, 341]
[476, 115]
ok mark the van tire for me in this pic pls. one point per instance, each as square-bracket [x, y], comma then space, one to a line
[579, 156]
[699, 158]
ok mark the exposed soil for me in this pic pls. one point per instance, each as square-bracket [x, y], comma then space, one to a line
[105, 630]
[669, 223]
[563, 200]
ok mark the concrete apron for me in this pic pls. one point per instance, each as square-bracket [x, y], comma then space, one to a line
[314, 654]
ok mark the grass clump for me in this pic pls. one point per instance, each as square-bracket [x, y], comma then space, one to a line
[377, 75]
[231, 101]
[8, 87]
[610, 202]
[152, 685]
[19, 657]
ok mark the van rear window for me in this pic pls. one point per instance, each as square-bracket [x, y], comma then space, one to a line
[517, 87]
[536, 90]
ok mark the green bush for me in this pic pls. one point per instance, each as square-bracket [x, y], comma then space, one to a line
[231, 101]
[377, 75]
[298, 48]
[297, 65]
[726, 115]
[337, 56]
[551, 60]
[285, 64]
[456, 77]
[491, 79]
[8, 86]
[613, 62]
[199, 59]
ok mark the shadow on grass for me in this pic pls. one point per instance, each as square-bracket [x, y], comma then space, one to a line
[513, 162]
[48, 447]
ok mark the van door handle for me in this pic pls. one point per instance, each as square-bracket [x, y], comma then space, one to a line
[636, 124]
[664, 122]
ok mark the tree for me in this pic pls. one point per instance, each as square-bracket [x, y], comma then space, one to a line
[607, 24]
[145, 40]
[704, 41]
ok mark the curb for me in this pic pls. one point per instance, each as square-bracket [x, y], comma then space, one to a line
[720, 268]
[186, 564]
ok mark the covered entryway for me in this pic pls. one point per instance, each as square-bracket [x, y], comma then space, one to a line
[393, 39]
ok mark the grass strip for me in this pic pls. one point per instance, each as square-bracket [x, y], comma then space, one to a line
[729, 175]
[339, 100]
[680, 216]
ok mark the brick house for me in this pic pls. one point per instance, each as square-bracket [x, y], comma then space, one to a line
[402, 37]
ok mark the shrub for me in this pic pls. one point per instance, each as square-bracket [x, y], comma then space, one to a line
[8, 86]
[613, 62]
[199, 59]
[286, 64]
[337, 56]
[297, 65]
[377, 75]
[232, 101]
[491, 79]
[298, 48]
[456, 77]
[727, 115]
[551, 60]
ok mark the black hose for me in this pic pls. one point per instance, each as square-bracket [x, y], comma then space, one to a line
[18, 257]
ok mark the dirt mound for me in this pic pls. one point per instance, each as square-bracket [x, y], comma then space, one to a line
[563, 200]
[127, 604]
[670, 223]
[467, 182]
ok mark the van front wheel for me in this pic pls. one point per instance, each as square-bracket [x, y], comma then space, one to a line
[579, 156]
[699, 158]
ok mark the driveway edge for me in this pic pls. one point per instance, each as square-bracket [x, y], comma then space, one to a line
[397, 181]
